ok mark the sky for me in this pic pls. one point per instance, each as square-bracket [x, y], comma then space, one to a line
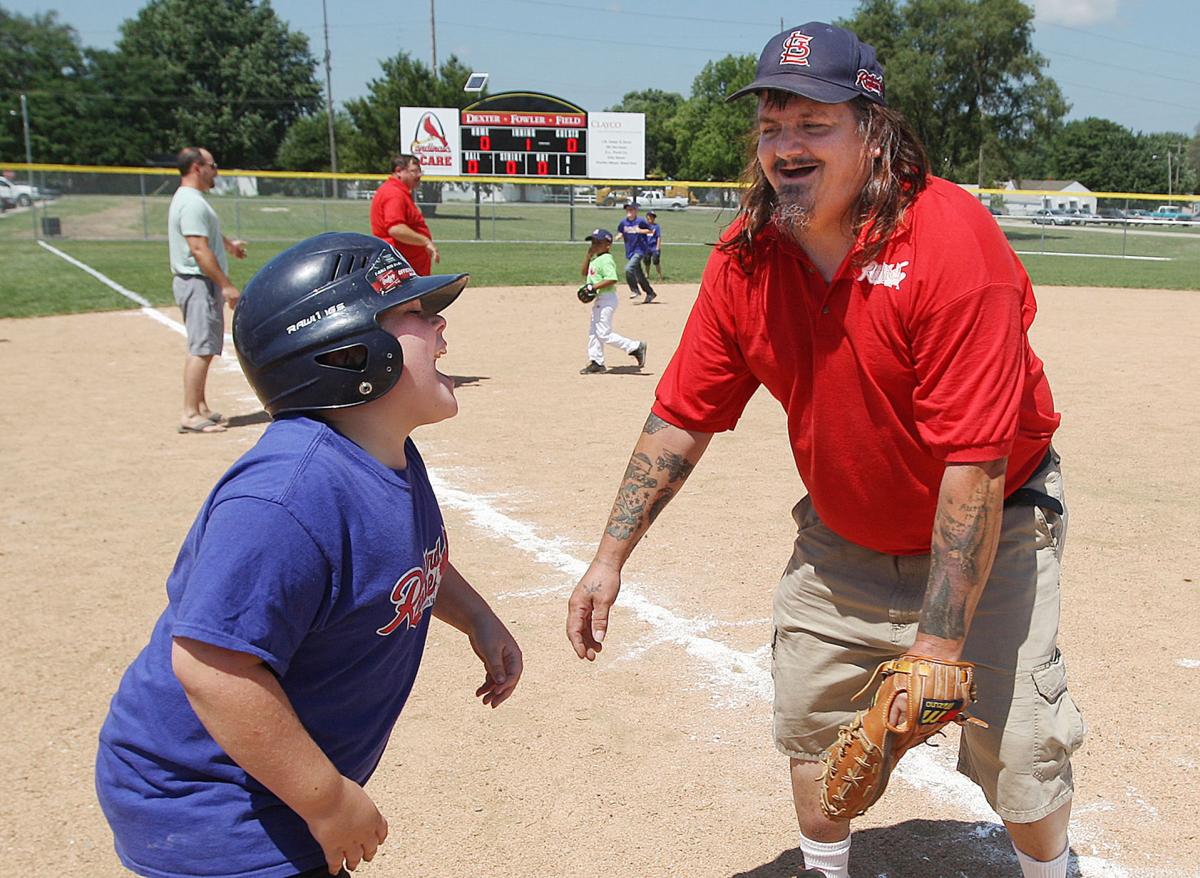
[1135, 62]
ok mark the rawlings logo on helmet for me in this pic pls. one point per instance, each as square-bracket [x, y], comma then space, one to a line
[795, 49]
[869, 82]
[388, 271]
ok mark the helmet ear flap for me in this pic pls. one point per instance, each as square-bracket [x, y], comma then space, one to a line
[361, 369]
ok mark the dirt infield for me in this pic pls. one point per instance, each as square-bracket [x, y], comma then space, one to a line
[657, 760]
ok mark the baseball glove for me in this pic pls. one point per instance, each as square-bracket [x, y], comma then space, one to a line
[586, 293]
[858, 765]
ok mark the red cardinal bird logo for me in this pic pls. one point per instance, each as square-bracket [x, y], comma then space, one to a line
[429, 129]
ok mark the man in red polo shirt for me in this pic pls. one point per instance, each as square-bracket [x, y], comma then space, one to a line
[396, 218]
[885, 310]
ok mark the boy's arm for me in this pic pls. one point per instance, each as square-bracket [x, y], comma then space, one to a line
[243, 707]
[460, 606]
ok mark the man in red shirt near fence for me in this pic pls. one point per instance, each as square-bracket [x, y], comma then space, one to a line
[885, 310]
[396, 218]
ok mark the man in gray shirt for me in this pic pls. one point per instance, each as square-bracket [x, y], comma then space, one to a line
[201, 285]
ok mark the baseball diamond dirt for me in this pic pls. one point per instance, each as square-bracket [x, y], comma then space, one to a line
[657, 760]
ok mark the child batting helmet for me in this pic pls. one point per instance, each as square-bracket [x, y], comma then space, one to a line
[306, 328]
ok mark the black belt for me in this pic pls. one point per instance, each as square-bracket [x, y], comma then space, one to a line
[1032, 497]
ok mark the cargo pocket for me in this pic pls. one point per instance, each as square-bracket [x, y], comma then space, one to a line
[1058, 726]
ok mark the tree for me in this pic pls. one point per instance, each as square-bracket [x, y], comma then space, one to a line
[965, 74]
[305, 147]
[1096, 152]
[712, 134]
[406, 82]
[235, 76]
[40, 58]
[659, 107]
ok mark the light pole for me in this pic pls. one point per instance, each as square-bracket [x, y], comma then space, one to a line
[29, 164]
[329, 102]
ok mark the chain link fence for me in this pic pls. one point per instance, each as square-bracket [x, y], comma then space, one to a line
[129, 204]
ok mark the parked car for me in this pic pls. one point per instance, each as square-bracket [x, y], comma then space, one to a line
[6, 203]
[1111, 216]
[649, 198]
[24, 195]
[1053, 217]
[1171, 212]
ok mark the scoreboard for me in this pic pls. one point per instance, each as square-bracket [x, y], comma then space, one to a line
[524, 134]
[499, 144]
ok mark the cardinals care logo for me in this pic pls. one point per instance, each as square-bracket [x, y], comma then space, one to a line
[795, 49]
[388, 271]
[870, 82]
[429, 142]
[888, 274]
[416, 591]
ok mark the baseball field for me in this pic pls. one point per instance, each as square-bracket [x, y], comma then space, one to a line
[657, 760]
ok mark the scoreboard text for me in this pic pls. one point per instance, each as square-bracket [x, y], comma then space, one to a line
[502, 143]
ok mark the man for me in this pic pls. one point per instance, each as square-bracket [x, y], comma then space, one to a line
[885, 310]
[396, 218]
[633, 232]
[653, 254]
[197, 251]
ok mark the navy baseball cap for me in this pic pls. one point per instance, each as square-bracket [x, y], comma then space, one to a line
[820, 62]
[600, 235]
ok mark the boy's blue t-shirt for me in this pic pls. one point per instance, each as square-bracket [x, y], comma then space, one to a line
[635, 241]
[653, 238]
[324, 563]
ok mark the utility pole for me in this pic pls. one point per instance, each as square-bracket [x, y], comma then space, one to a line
[329, 102]
[29, 164]
[433, 37]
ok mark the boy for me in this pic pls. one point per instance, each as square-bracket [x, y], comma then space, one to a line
[633, 232]
[601, 273]
[298, 608]
[653, 254]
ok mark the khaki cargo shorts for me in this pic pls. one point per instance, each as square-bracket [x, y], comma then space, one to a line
[203, 309]
[841, 609]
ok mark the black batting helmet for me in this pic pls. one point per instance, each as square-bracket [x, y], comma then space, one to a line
[306, 327]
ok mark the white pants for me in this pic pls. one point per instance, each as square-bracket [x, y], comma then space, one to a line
[601, 331]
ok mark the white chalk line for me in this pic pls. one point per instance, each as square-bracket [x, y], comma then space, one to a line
[930, 769]
[145, 307]
[728, 667]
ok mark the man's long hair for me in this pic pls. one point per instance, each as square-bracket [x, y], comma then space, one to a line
[897, 176]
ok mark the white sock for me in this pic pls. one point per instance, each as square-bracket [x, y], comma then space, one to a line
[1031, 868]
[831, 857]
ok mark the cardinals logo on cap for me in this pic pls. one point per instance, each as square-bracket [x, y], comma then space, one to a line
[795, 49]
[870, 82]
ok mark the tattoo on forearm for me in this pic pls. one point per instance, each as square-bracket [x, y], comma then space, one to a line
[646, 490]
[654, 423]
[963, 537]
[677, 466]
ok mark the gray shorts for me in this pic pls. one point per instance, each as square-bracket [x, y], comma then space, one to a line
[203, 309]
[841, 609]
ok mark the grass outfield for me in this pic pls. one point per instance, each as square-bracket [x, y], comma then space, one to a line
[34, 282]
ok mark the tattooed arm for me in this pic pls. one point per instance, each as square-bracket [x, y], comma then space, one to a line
[661, 462]
[966, 532]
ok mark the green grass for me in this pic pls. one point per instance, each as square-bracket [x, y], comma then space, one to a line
[34, 282]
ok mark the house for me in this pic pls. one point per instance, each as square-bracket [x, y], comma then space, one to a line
[1030, 196]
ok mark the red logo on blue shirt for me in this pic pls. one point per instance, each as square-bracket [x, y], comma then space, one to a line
[416, 591]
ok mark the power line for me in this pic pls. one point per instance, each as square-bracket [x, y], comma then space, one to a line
[1157, 49]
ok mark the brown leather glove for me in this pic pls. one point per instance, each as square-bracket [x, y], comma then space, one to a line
[859, 763]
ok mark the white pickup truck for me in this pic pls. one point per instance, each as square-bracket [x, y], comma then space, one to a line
[658, 198]
[19, 193]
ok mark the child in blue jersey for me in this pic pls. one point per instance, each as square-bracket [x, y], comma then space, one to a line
[240, 738]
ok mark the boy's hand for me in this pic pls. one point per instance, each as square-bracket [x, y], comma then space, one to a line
[501, 659]
[348, 828]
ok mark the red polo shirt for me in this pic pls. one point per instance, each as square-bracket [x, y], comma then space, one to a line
[393, 203]
[887, 373]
